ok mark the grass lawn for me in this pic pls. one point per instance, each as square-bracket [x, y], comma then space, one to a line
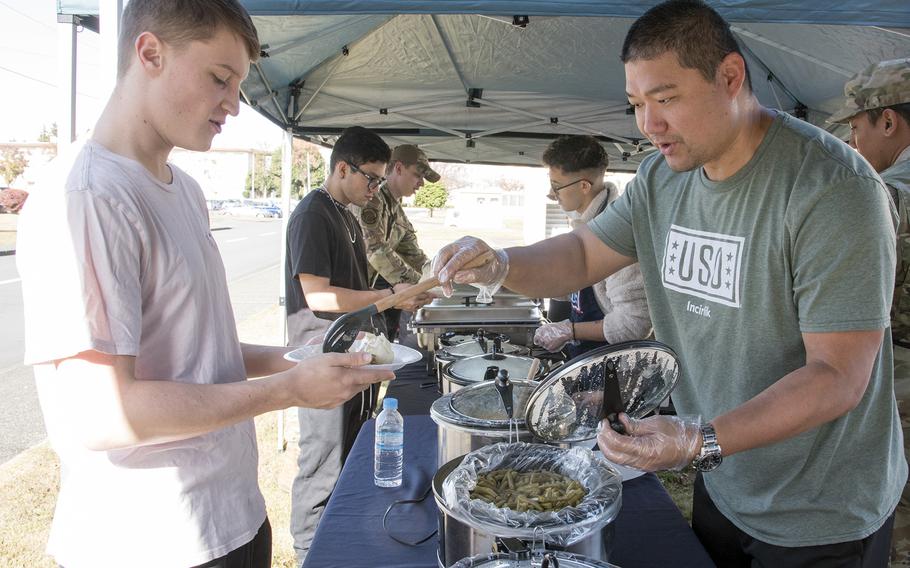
[679, 485]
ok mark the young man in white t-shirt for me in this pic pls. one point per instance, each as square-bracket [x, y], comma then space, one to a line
[129, 327]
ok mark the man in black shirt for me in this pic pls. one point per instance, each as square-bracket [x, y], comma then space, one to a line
[326, 276]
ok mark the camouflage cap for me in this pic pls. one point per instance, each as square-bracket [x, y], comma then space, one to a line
[408, 154]
[880, 85]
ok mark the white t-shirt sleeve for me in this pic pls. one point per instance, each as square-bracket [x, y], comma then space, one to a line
[90, 297]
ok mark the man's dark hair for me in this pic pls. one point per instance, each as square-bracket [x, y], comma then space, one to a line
[359, 146]
[692, 30]
[903, 110]
[179, 22]
[575, 153]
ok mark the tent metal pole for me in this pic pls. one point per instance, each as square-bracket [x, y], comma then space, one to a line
[448, 48]
[405, 117]
[323, 32]
[287, 155]
[349, 46]
[309, 101]
[66, 83]
[777, 45]
[273, 94]
[354, 118]
[430, 104]
[508, 128]
[889, 30]
[621, 107]
[542, 117]
[772, 77]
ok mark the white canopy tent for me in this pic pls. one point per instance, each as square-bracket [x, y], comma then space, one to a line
[495, 81]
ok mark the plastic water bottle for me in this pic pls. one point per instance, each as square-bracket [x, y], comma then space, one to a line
[389, 452]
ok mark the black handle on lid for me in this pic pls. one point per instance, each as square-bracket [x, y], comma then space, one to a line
[514, 547]
[612, 402]
[490, 373]
[549, 561]
[481, 340]
[504, 387]
[497, 344]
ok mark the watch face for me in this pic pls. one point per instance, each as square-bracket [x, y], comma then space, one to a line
[709, 462]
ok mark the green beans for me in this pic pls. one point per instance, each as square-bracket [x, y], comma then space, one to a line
[528, 491]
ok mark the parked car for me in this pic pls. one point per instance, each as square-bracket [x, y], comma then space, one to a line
[269, 210]
[251, 208]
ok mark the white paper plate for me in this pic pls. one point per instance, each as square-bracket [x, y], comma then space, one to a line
[404, 355]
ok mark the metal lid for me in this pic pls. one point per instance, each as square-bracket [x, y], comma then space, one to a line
[472, 348]
[472, 369]
[479, 407]
[450, 338]
[569, 403]
[483, 402]
[536, 560]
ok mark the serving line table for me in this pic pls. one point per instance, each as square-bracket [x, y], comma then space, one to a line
[650, 530]
[414, 388]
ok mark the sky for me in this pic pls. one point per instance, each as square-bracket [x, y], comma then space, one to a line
[29, 97]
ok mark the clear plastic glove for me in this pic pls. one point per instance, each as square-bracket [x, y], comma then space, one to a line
[448, 262]
[414, 303]
[553, 336]
[654, 443]
[484, 296]
[425, 274]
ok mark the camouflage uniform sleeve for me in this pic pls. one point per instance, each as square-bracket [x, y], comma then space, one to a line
[900, 306]
[409, 249]
[381, 253]
[374, 222]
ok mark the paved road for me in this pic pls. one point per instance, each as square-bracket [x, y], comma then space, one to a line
[251, 253]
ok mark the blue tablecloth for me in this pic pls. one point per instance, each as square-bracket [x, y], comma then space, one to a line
[650, 531]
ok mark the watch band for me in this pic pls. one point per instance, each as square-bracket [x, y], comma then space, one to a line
[710, 456]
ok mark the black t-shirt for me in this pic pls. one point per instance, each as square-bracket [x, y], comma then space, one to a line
[319, 243]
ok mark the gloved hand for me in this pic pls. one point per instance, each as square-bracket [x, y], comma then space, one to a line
[553, 336]
[654, 443]
[448, 262]
[414, 303]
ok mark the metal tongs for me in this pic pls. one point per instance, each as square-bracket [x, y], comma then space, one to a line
[504, 388]
[344, 330]
[612, 401]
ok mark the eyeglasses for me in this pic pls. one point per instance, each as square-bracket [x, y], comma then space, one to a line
[555, 190]
[372, 182]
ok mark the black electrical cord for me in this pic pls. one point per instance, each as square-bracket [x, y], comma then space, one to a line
[385, 519]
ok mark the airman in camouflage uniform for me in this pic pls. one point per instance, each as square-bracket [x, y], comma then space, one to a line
[878, 112]
[392, 249]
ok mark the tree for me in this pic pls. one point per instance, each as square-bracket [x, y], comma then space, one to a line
[48, 135]
[509, 184]
[267, 170]
[12, 164]
[454, 176]
[432, 196]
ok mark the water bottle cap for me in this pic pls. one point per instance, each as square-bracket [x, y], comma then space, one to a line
[390, 403]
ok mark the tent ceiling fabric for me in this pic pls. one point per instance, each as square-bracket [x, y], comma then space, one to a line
[408, 69]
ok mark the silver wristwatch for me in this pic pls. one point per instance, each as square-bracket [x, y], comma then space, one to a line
[710, 455]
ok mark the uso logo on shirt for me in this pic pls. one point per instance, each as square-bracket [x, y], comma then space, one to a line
[702, 264]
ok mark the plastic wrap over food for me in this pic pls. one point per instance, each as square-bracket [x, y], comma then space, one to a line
[599, 506]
